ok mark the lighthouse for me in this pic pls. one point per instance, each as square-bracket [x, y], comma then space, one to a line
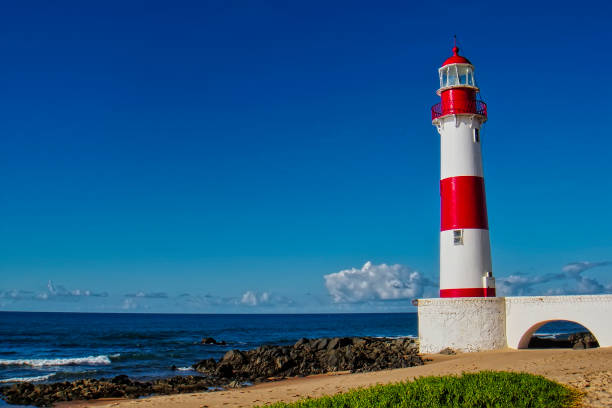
[468, 316]
[465, 250]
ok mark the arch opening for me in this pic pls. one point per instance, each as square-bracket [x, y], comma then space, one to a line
[558, 334]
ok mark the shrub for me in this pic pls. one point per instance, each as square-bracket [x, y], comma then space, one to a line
[478, 390]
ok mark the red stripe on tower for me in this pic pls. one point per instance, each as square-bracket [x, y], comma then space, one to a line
[463, 203]
[467, 292]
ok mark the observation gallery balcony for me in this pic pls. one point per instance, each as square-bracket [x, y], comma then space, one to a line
[476, 107]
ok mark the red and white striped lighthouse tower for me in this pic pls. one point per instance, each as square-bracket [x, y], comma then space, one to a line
[465, 250]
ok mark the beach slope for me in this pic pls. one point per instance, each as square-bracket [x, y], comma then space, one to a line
[588, 370]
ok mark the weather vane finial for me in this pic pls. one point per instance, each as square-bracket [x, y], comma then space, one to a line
[455, 48]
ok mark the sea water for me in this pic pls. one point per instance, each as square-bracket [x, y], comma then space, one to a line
[49, 347]
[67, 346]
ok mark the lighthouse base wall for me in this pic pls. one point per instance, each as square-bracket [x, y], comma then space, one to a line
[464, 324]
[477, 324]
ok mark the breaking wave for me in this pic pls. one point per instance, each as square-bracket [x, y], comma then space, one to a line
[27, 379]
[44, 362]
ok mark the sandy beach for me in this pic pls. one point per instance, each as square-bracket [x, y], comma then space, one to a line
[588, 370]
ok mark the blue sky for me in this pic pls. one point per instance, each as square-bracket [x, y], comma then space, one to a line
[227, 156]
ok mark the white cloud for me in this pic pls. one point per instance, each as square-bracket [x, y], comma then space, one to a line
[570, 276]
[59, 291]
[250, 298]
[129, 304]
[153, 295]
[376, 282]
[576, 268]
[522, 284]
[52, 292]
[15, 294]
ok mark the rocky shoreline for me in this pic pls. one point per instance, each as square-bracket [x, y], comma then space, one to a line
[235, 369]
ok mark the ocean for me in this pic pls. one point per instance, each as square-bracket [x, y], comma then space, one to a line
[53, 347]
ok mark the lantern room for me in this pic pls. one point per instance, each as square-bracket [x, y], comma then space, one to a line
[456, 75]
[458, 89]
[457, 71]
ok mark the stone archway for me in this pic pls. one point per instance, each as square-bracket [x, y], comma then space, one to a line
[526, 339]
[524, 315]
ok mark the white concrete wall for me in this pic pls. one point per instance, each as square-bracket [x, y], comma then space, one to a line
[465, 324]
[475, 324]
[524, 315]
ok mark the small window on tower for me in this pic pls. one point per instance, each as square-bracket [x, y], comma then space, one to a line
[476, 135]
[458, 237]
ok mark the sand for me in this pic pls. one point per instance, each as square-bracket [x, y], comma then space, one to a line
[588, 370]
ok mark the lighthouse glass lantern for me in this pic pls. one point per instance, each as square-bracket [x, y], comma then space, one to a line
[465, 252]
[456, 74]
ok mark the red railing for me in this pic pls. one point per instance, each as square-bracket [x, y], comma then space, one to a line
[458, 107]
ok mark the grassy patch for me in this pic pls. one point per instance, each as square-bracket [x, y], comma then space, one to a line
[483, 389]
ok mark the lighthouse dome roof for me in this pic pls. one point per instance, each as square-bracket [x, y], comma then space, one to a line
[456, 58]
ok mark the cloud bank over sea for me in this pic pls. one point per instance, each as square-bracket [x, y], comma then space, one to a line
[570, 281]
[370, 288]
[376, 283]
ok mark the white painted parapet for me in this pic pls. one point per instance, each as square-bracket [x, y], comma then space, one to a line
[465, 324]
[525, 315]
[477, 324]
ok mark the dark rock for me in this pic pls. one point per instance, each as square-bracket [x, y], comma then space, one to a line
[358, 341]
[339, 342]
[234, 358]
[334, 360]
[539, 342]
[307, 357]
[576, 340]
[588, 340]
[301, 342]
[320, 344]
[224, 370]
[121, 380]
[119, 387]
[205, 365]
[210, 340]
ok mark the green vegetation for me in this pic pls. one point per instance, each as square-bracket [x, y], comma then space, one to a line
[483, 389]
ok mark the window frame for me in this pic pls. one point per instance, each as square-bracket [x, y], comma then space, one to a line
[451, 72]
[458, 237]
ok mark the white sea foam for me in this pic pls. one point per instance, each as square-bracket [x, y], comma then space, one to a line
[185, 369]
[43, 362]
[409, 336]
[27, 379]
[551, 335]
